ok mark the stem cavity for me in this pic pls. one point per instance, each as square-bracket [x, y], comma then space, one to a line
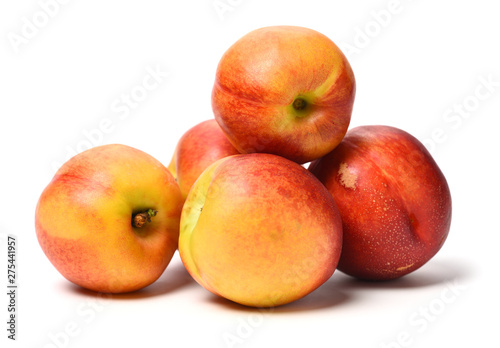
[299, 104]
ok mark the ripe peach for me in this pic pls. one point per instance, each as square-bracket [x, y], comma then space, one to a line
[198, 148]
[393, 198]
[109, 219]
[284, 90]
[259, 230]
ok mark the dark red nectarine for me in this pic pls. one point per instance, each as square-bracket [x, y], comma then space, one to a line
[394, 201]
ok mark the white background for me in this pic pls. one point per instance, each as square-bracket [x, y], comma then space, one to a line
[65, 76]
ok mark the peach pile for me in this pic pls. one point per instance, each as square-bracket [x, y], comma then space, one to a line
[251, 224]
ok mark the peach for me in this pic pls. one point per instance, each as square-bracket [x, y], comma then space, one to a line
[198, 148]
[284, 90]
[259, 230]
[393, 198]
[109, 219]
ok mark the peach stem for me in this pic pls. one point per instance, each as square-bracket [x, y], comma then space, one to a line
[140, 219]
